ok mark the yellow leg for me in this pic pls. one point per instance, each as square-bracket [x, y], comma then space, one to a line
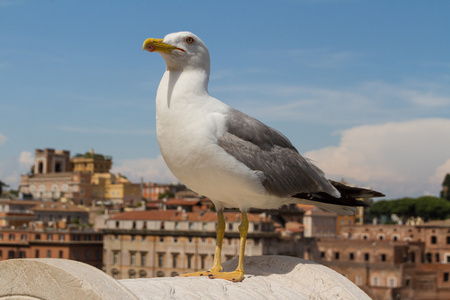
[217, 266]
[220, 231]
[238, 274]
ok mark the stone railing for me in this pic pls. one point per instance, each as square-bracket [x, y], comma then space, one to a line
[267, 277]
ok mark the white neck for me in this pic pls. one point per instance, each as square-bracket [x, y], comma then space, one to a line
[190, 85]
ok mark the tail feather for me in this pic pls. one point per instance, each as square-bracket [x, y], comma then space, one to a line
[349, 197]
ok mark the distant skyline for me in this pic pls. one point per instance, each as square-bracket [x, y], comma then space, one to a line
[360, 87]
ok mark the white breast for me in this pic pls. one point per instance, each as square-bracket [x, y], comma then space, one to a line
[188, 128]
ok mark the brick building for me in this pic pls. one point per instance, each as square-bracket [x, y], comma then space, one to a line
[392, 261]
[73, 243]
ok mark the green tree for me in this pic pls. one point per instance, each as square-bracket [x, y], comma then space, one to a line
[2, 185]
[427, 207]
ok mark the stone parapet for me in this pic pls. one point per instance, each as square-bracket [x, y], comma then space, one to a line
[267, 277]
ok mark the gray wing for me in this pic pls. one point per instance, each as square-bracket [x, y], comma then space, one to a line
[262, 148]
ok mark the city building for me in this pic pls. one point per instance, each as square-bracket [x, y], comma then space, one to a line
[151, 191]
[35, 241]
[91, 163]
[159, 243]
[18, 213]
[391, 261]
[109, 188]
[85, 179]
[318, 222]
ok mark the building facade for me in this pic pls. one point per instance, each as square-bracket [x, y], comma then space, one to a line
[81, 245]
[392, 261]
[165, 243]
[85, 179]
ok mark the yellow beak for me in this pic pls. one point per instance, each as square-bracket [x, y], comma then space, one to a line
[159, 46]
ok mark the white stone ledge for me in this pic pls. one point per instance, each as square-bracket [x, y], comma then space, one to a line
[267, 277]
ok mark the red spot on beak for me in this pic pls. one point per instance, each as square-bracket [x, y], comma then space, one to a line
[151, 48]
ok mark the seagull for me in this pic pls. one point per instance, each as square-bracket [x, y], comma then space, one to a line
[228, 156]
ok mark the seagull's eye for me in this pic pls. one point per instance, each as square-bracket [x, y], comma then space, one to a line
[189, 40]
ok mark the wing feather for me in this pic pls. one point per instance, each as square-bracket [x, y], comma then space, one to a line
[262, 148]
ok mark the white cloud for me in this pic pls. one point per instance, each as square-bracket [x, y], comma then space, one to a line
[400, 159]
[153, 170]
[440, 173]
[26, 160]
[13, 167]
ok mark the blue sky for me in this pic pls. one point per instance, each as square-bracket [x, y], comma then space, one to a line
[361, 87]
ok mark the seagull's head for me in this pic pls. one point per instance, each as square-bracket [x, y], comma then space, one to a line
[181, 50]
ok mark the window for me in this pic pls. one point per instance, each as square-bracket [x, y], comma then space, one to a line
[191, 225]
[322, 254]
[23, 237]
[10, 254]
[255, 227]
[256, 242]
[448, 240]
[366, 256]
[375, 281]
[189, 260]
[383, 257]
[162, 225]
[36, 253]
[86, 254]
[437, 257]
[115, 257]
[175, 239]
[174, 260]
[160, 274]
[49, 237]
[446, 276]
[143, 258]
[351, 256]
[202, 261]
[433, 239]
[392, 282]
[49, 253]
[60, 254]
[12, 236]
[358, 280]
[160, 260]
[132, 258]
[61, 237]
[22, 254]
[336, 255]
[230, 226]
